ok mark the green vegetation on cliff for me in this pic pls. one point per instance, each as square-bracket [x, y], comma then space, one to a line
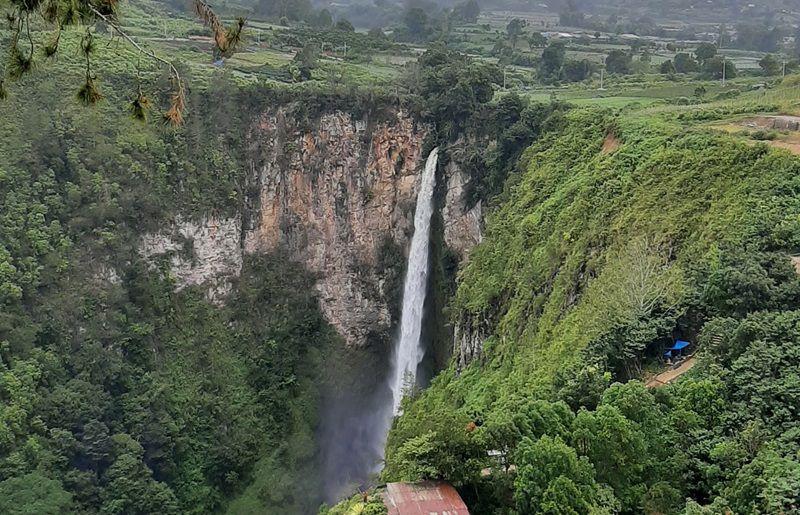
[623, 234]
[118, 394]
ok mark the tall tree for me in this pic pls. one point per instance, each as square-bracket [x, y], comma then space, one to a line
[306, 60]
[549, 473]
[770, 65]
[615, 446]
[552, 62]
[131, 488]
[576, 71]
[714, 68]
[514, 30]
[536, 40]
[619, 62]
[705, 51]
[684, 63]
[667, 67]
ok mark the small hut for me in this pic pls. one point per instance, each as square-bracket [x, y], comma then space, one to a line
[424, 498]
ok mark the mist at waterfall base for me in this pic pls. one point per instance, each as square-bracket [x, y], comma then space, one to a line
[356, 418]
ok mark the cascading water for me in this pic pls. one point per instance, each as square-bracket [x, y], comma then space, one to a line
[408, 352]
[355, 442]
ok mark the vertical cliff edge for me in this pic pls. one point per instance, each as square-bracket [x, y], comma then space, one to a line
[337, 194]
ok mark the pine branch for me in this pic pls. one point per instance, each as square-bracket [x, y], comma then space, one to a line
[178, 104]
[210, 18]
[226, 39]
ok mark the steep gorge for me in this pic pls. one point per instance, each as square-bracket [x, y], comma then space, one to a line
[249, 271]
[337, 196]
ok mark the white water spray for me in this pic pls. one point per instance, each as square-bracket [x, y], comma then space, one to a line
[408, 352]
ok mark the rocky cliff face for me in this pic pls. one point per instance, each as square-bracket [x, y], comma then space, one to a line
[332, 194]
[468, 339]
[462, 227]
[205, 253]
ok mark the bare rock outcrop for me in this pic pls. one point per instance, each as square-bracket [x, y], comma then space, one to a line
[201, 253]
[462, 227]
[331, 196]
[468, 339]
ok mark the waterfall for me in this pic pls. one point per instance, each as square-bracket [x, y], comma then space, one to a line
[408, 352]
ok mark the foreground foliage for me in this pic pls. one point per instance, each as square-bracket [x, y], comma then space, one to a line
[361, 504]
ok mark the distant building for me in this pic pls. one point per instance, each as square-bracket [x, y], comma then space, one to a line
[558, 35]
[424, 498]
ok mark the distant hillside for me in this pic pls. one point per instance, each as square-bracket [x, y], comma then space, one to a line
[731, 11]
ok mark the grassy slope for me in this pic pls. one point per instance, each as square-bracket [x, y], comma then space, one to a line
[550, 261]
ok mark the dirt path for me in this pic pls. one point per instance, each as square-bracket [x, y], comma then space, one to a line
[664, 378]
[610, 144]
[791, 146]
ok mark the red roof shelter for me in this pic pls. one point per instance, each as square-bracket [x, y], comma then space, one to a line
[424, 498]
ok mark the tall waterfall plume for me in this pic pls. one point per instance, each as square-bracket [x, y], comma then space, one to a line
[408, 352]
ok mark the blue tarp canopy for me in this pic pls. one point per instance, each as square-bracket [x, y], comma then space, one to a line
[680, 344]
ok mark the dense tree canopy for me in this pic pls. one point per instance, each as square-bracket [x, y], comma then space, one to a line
[552, 62]
[453, 87]
[684, 63]
[705, 51]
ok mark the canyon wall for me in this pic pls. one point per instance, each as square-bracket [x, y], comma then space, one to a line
[334, 194]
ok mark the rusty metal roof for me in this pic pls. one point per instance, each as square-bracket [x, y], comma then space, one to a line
[424, 498]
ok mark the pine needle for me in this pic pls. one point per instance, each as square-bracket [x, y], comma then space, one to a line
[140, 106]
[70, 15]
[87, 43]
[226, 40]
[51, 48]
[106, 7]
[233, 37]
[18, 63]
[30, 6]
[174, 116]
[89, 94]
[50, 11]
[210, 18]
